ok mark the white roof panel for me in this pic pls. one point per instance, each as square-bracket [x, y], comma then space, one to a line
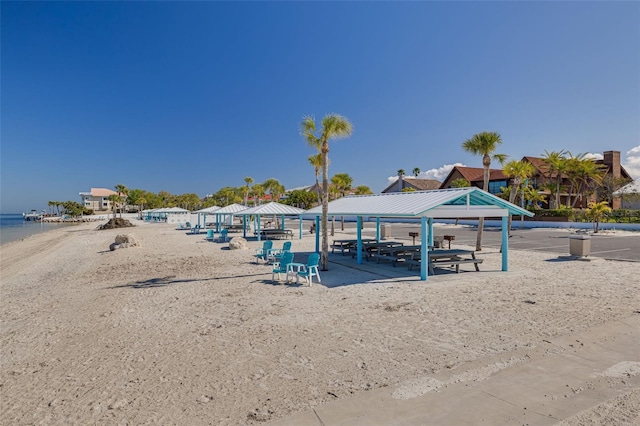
[419, 204]
[273, 208]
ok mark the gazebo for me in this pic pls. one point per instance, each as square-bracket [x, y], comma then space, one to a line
[452, 203]
[229, 210]
[273, 209]
[204, 212]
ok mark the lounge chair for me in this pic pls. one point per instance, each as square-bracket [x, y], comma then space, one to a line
[282, 266]
[261, 253]
[309, 270]
[274, 254]
[210, 236]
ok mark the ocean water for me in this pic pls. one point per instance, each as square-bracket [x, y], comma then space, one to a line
[13, 227]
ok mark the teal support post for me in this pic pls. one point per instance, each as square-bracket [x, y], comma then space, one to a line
[258, 227]
[317, 234]
[244, 227]
[300, 221]
[282, 220]
[359, 244]
[378, 229]
[424, 253]
[505, 243]
[430, 225]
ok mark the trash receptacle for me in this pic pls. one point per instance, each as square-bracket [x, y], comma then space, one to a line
[579, 245]
[385, 230]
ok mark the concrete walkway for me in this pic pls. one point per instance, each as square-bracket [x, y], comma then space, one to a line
[558, 379]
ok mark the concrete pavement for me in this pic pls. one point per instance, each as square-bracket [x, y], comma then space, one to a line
[558, 379]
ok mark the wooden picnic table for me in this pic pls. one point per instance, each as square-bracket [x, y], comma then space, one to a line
[370, 248]
[397, 253]
[455, 257]
[272, 233]
[346, 245]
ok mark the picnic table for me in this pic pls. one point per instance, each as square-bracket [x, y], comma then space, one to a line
[370, 248]
[397, 253]
[447, 258]
[347, 245]
[275, 233]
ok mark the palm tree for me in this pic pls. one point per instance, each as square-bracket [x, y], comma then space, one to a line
[484, 144]
[363, 190]
[115, 200]
[460, 183]
[274, 187]
[343, 183]
[316, 161]
[258, 192]
[597, 212]
[534, 196]
[556, 164]
[122, 192]
[519, 172]
[416, 172]
[334, 126]
[247, 188]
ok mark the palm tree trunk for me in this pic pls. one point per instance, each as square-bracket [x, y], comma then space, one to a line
[324, 261]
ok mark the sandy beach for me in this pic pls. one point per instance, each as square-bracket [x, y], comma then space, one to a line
[183, 331]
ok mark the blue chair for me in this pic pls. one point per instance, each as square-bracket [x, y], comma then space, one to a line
[209, 236]
[282, 266]
[223, 236]
[261, 253]
[274, 254]
[310, 269]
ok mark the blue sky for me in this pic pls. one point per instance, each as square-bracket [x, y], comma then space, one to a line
[194, 96]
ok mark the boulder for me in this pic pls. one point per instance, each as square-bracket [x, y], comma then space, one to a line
[124, 241]
[238, 243]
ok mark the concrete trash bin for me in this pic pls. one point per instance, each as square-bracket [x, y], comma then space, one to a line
[579, 245]
[385, 230]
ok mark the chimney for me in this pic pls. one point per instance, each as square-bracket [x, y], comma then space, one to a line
[612, 161]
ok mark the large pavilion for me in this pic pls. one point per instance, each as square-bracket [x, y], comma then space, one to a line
[452, 203]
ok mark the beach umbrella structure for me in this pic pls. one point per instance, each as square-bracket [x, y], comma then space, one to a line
[227, 213]
[270, 209]
[426, 206]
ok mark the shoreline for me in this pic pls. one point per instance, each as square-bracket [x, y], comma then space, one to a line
[181, 331]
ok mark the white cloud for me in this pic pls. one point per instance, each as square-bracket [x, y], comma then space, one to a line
[593, 156]
[632, 162]
[438, 174]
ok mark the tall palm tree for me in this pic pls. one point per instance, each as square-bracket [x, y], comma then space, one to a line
[334, 126]
[247, 188]
[122, 193]
[416, 172]
[556, 164]
[115, 201]
[316, 161]
[519, 172]
[258, 192]
[484, 144]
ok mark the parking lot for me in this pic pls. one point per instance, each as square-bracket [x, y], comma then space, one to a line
[612, 245]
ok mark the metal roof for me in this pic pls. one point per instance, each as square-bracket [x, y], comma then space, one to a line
[231, 208]
[441, 203]
[208, 210]
[273, 208]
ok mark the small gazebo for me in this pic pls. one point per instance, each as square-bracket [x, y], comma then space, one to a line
[452, 203]
[272, 209]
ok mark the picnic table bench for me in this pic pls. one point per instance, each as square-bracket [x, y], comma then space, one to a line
[370, 248]
[235, 228]
[347, 245]
[397, 254]
[275, 234]
[447, 258]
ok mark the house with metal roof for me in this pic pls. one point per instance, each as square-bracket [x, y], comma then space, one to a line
[453, 203]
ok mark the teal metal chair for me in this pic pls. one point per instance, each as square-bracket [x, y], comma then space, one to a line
[262, 253]
[281, 266]
[210, 236]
